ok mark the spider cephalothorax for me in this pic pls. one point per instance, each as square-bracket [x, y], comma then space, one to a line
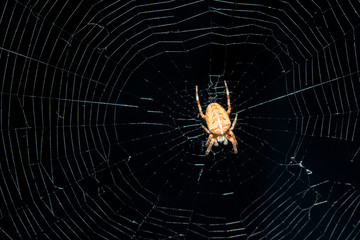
[218, 123]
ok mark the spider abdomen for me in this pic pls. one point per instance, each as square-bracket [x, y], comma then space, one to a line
[217, 119]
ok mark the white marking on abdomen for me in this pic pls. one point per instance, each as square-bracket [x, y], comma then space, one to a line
[219, 123]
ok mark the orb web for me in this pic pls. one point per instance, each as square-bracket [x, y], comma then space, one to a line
[101, 134]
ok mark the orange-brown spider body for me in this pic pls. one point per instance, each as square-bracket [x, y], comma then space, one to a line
[218, 122]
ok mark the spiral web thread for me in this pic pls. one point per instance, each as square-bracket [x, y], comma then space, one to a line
[101, 135]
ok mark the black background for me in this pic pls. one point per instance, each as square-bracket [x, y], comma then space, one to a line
[101, 136]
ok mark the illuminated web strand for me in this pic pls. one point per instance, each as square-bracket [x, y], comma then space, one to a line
[116, 148]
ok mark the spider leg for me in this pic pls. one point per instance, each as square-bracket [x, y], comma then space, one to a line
[199, 106]
[228, 99]
[207, 130]
[209, 139]
[232, 139]
[210, 146]
[234, 122]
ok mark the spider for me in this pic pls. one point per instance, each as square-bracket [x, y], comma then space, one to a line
[218, 122]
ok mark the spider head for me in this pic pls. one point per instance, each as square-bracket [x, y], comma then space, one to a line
[223, 139]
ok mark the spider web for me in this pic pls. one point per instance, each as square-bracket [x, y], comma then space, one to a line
[101, 135]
